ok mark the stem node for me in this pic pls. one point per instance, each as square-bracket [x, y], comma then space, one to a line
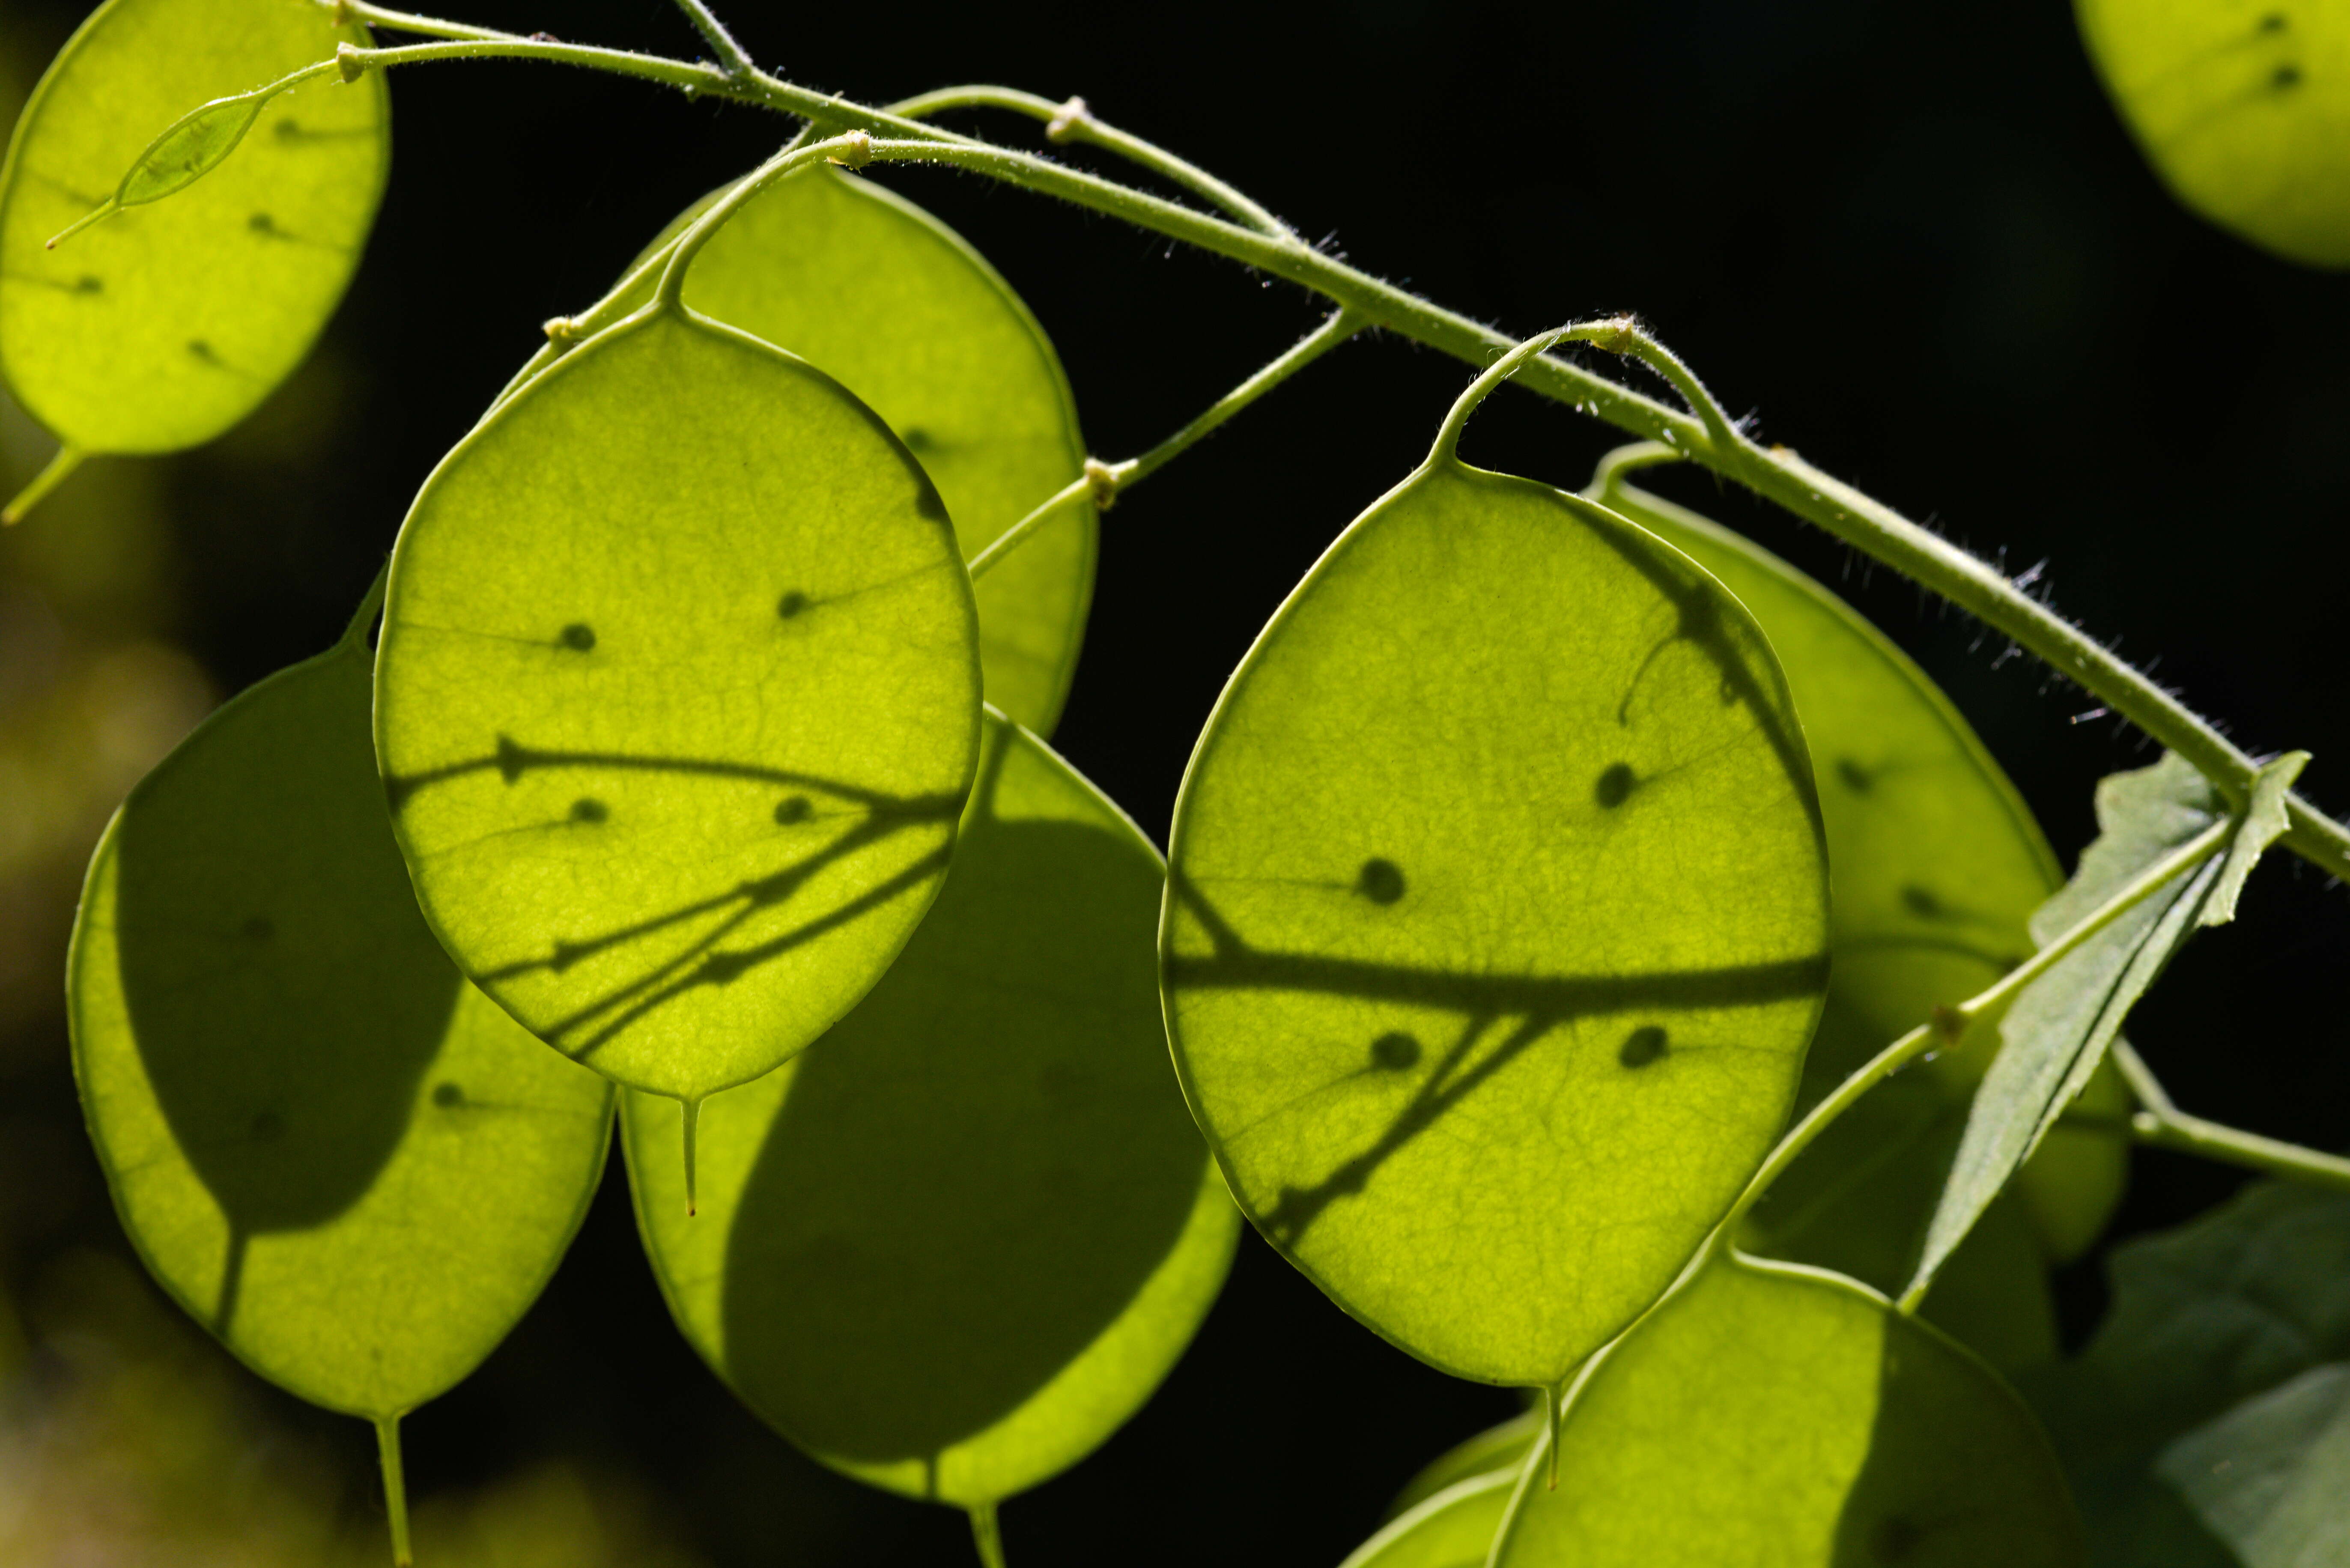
[1067, 121]
[349, 63]
[1102, 481]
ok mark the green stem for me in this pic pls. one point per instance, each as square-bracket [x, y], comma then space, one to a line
[1342, 325]
[2233, 1146]
[2160, 1123]
[1073, 122]
[1106, 482]
[1089, 483]
[395, 1488]
[1617, 335]
[798, 153]
[1774, 471]
[1554, 1407]
[476, 45]
[346, 11]
[1949, 1024]
[987, 1535]
[722, 42]
[52, 473]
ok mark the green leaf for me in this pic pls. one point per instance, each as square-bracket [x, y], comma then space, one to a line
[1779, 1417]
[1496, 924]
[862, 282]
[1935, 866]
[2265, 822]
[677, 703]
[2205, 1318]
[327, 1146]
[1495, 1449]
[2055, 1034]
[2240, 108]
[167, 324]
[955, 1244]
[1452, 1527]
[2268, 1477]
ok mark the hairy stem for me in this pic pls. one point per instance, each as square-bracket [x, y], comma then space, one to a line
[348, 11]
[1073, 122]
[478, 44]
[1106, 482]
[1774, 471]
[848, 148]
[722, 42]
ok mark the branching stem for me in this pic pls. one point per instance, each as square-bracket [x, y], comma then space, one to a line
[1949, 1024]
[1106, 482]
[2162, 1125]
[849, 148]
[1774, 472]
[1073, 122]
[722, 43]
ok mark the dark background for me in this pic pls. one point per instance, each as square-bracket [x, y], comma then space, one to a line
[1913, 236]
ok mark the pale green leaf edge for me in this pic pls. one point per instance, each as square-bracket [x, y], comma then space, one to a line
[1090, 525]
[643, 318]
[202, 1311]
[673, 1298]
[1082, 613]
[1535, 1471]
[1807, 790]
[356, 33]
[1403, 1524]
[2264, 823]
[1930, 694]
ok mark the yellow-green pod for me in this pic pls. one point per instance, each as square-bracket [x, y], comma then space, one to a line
[166, 323]
[2243, 107]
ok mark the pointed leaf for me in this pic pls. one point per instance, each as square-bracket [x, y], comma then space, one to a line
[329, 1149]
[958, 1241]
[1770, 1415]
[1453, 1528]
[166, 323]
[2055, 1034]
[677, 703]
[2239, 109]
[1496, 925]
[1935, 866]
[875, 291]
[2264, 823]
[2268, 1477]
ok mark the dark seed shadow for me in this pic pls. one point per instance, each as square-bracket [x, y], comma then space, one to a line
[284, 993]
[1531, 1007]
[974, 1172]
[595, 1020]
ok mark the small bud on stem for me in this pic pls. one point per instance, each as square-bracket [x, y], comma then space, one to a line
[1062, 125]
